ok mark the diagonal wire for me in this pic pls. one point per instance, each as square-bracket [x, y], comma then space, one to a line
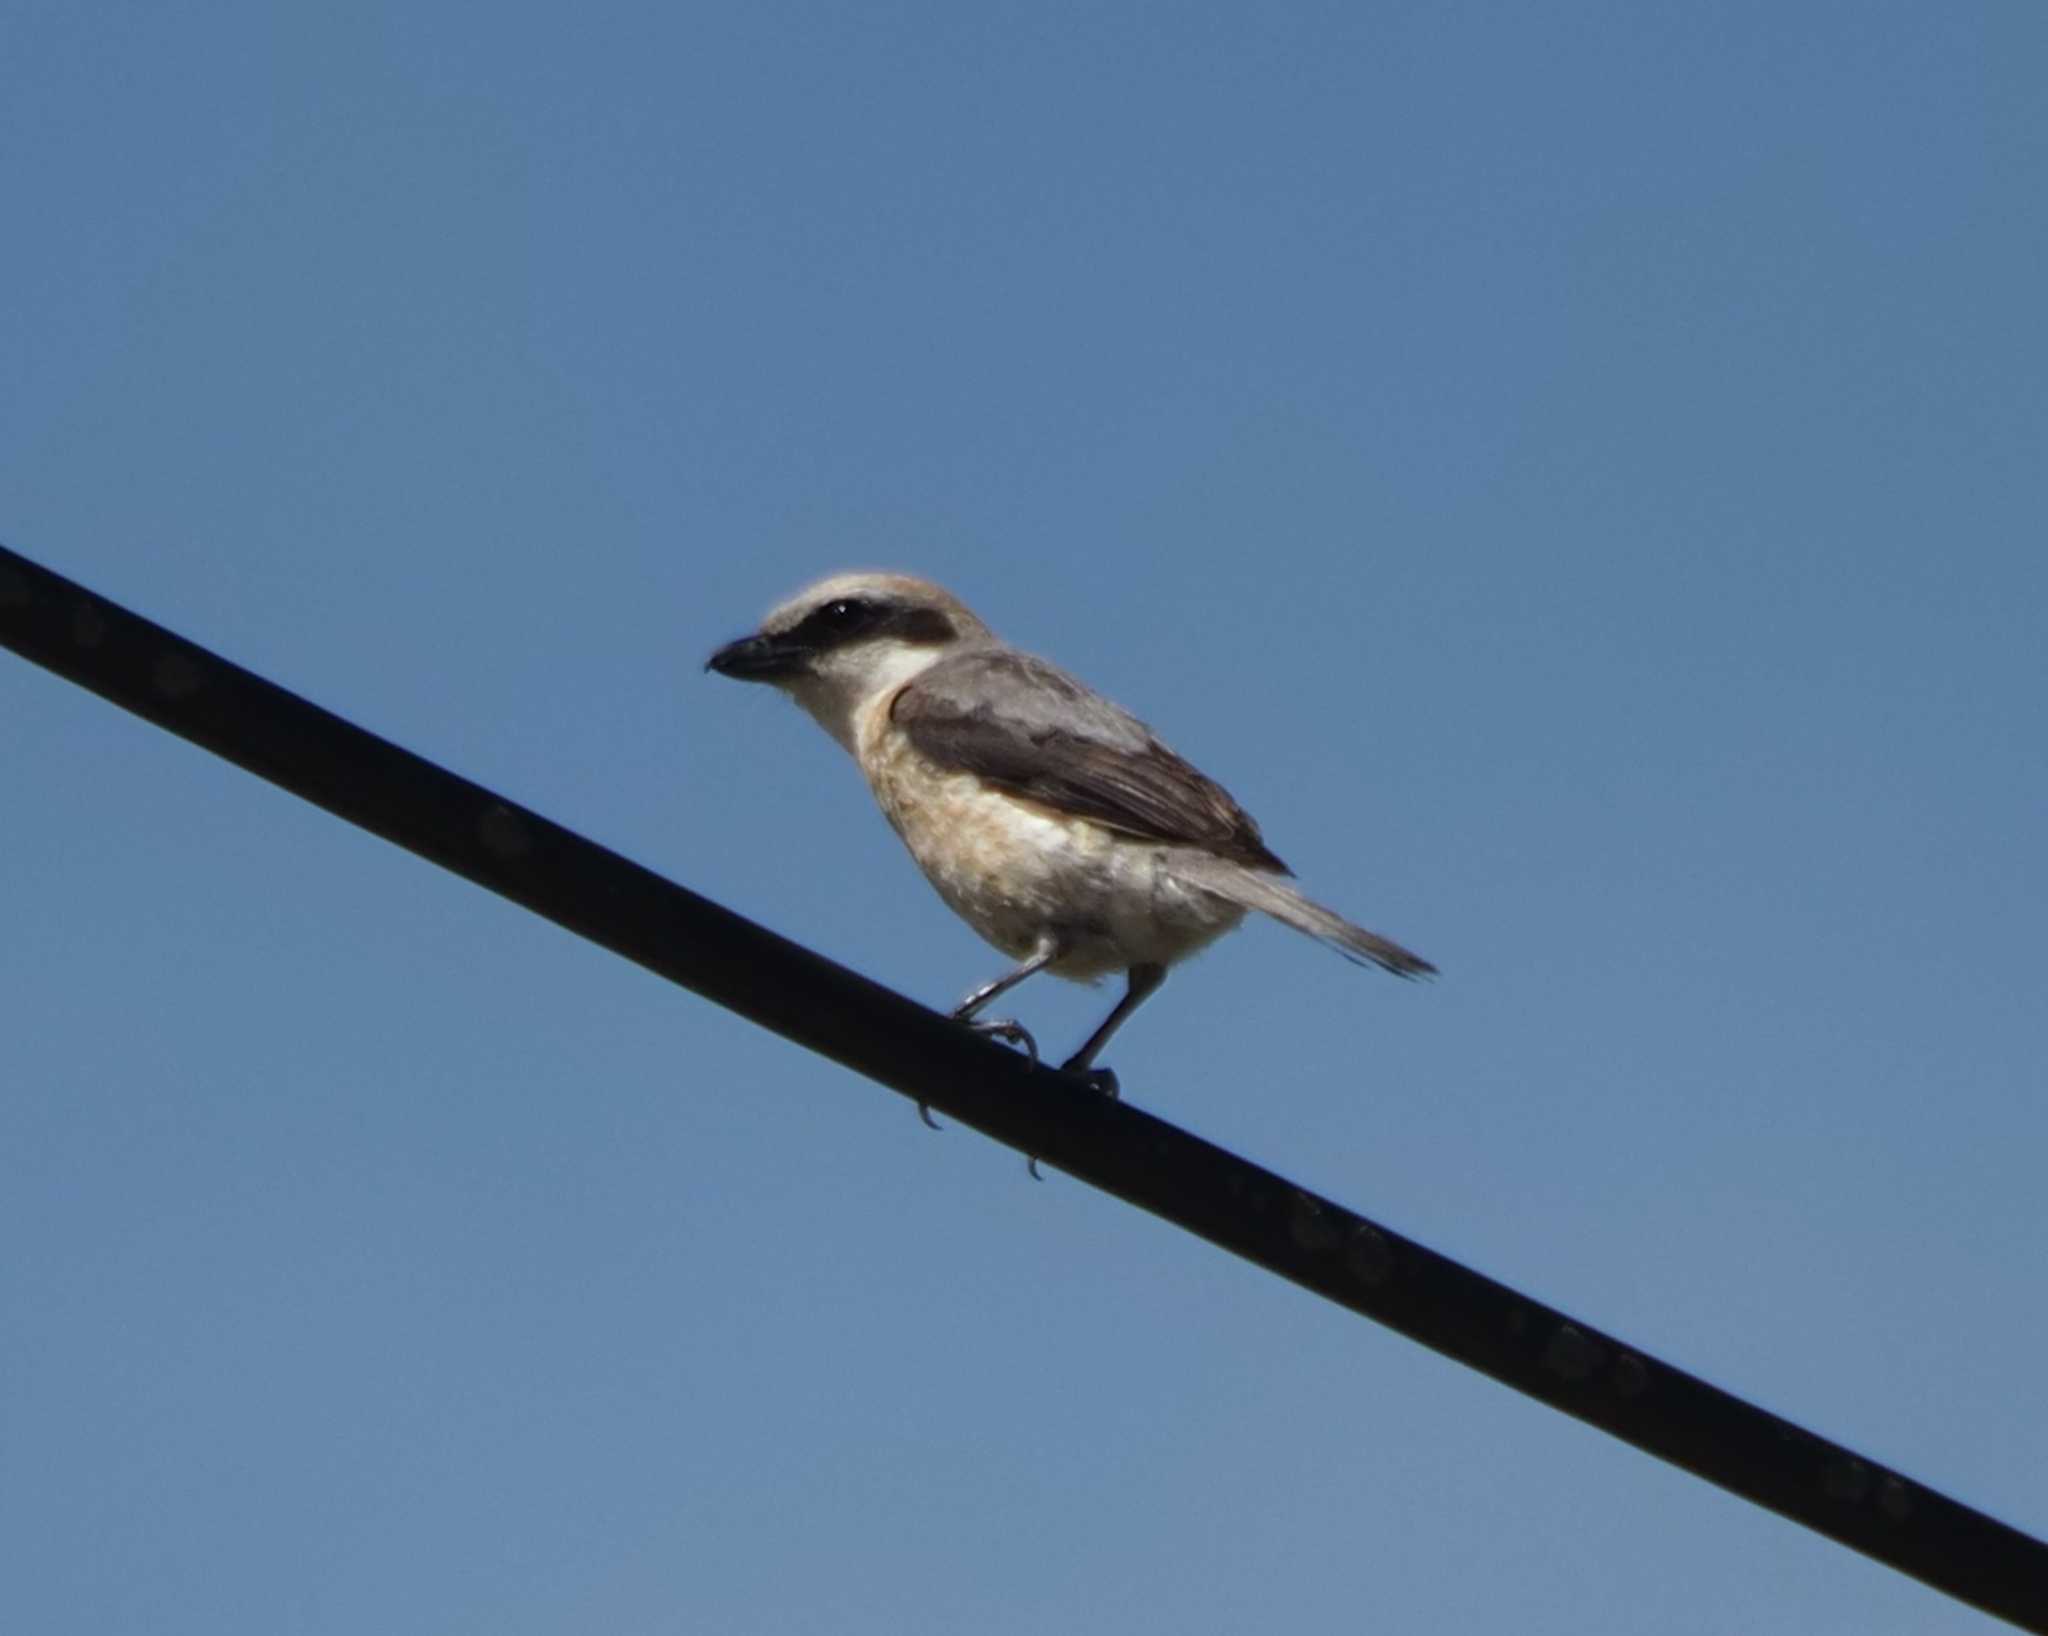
[1121, 1149]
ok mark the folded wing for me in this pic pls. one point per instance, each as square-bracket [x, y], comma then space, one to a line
[1026, 727]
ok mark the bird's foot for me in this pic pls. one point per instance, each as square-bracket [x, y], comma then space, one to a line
[996, 1028]
[1005, 1028]
[1102, 1081]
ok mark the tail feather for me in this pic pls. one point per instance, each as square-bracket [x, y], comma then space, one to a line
[1270, 894]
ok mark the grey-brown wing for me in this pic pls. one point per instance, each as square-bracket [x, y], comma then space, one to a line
[1026, 726]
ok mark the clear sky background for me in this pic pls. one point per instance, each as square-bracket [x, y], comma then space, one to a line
[1575, 471]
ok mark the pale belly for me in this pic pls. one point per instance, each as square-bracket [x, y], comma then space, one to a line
[1014, 871]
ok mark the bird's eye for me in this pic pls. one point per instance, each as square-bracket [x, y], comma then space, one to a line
[843, 619]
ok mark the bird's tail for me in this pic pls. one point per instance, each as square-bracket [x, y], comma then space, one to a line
[1270, 894]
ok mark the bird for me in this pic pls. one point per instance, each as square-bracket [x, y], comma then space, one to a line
[1054, 822]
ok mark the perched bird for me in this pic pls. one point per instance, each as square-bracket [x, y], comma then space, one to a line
[1052, 821]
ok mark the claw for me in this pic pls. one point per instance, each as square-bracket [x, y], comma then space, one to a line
[1102, 1081]
[1006, 1028]
[924, 1112]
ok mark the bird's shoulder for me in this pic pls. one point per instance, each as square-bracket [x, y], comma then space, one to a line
[1023, 725]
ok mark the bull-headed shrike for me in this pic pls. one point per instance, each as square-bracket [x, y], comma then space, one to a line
[1052, 821]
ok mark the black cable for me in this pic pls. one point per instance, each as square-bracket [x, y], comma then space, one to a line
[1127, 1152]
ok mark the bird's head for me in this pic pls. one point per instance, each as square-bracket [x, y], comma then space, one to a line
[849, 639]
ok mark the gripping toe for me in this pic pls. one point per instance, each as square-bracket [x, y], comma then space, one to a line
[1007, 1028]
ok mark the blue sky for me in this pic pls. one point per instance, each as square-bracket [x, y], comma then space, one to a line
[1575, 472]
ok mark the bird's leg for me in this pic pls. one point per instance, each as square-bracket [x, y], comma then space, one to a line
[1140, 983]
[1043, 953]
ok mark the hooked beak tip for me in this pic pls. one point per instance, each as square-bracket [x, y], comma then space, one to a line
[757, 659]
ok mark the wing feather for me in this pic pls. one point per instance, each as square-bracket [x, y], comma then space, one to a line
[1025, 726]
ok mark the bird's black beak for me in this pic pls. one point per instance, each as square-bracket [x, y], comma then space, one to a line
[761, 659]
